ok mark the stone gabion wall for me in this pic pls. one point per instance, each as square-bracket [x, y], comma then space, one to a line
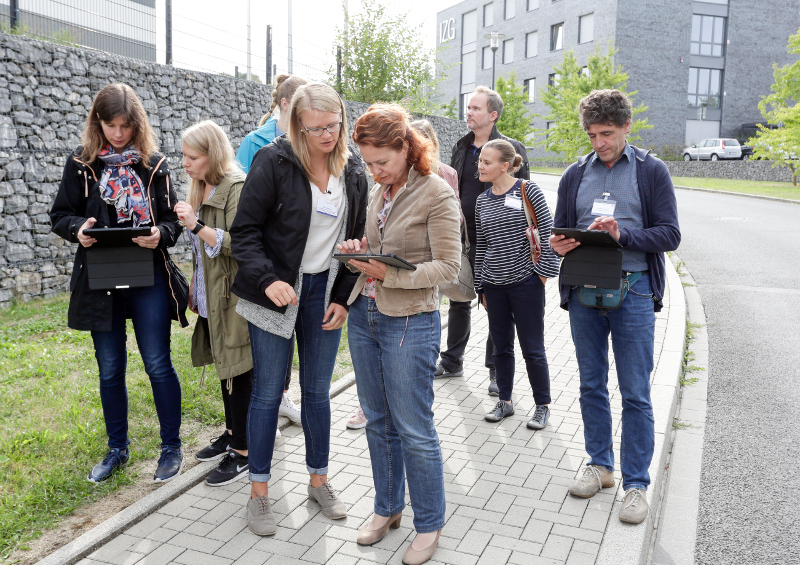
[741, 170]
[46, 91]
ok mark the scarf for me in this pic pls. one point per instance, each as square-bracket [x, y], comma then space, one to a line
[121, 187]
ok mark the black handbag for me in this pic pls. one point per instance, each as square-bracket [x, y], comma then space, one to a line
[178, 290]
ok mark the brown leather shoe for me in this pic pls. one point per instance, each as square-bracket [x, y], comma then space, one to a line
[370, 537]
[414, 557]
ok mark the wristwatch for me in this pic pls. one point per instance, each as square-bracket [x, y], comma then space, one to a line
[198, 226]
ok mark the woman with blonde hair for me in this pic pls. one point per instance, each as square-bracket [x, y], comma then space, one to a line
[116, 179]
[305, 193]
[394, 330]
[220, 334]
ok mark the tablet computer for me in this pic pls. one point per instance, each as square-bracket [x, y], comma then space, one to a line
[591, 238]
[116, 237]
[389, 259]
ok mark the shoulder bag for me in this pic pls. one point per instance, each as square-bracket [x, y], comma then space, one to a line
[532, 231]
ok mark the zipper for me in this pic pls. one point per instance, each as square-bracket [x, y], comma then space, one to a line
[169, 280]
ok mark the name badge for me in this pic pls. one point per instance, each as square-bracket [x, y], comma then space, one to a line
[327, 208]
[603, 207]
[512, 202]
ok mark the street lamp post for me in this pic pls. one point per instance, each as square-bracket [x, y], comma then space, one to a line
[494, 43]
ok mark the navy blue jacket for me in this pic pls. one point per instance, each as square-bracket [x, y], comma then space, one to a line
[660, 233]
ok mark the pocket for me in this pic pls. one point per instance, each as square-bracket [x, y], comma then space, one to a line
[236, 333]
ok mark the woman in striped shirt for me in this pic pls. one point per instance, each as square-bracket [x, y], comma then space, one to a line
[510, 285]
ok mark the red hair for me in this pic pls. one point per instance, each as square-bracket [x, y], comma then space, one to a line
[387, 125]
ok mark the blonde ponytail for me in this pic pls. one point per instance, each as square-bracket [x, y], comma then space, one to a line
[285, 86]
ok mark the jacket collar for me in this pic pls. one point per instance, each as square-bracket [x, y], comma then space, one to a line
[223, 188]
[640, 155]
[470, 137]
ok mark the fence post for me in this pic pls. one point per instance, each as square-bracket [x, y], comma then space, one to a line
[269, 54]
[13, 14]
[339, 70]
[168, 21]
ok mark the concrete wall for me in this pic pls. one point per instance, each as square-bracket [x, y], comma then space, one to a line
[46, 91]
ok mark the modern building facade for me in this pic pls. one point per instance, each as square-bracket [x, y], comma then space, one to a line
[123, 27]
[701, 67]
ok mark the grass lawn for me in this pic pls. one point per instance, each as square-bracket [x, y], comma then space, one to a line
[557, 170]
[51, 422]
[762, 188]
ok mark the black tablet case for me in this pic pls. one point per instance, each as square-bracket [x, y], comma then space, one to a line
[592, 266]
[119, 267]
[392, 260]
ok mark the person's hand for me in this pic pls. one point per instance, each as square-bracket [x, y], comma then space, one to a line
[149, 241]
[543, 279]
[353, 246]
[192, 306]
[281, 293]
[86, 240]
[606, 223]
[561, 245]
[483, 301]
[186, 214]
[335, 316]
[373, 268]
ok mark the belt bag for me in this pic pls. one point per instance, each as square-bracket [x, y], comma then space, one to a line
[607, 298]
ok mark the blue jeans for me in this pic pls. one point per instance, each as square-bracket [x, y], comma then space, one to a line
[148, 308]
[317, 349]
[519, 305]
[632, 328]
[394, 360]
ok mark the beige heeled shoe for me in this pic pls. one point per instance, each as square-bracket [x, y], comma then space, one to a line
[414, 557]
[370, 537]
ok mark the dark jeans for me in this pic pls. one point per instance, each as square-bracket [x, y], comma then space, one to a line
[459, 325]
[148, 308]
[520, 305]
[317, 349]
[289, 365]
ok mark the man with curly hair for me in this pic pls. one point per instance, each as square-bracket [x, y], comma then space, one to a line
[625, 191]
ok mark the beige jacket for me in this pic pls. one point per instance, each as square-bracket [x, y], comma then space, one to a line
[423, 227]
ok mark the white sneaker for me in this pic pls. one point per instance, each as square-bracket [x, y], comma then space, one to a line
[289, 409]
[277, 433]
[357, 420]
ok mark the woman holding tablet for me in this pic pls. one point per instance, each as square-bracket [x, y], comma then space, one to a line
[305, 193]
[220, 335]
[412, 213]
[510, 285]
[116, 179]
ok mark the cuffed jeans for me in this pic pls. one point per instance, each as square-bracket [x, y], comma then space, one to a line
[148, 308]
[519, 305]
[632, 329]
[317, 349]
[394, 360]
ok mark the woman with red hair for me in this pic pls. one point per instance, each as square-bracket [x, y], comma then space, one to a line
[394, 318]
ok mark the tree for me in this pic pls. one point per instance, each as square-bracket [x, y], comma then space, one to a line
[450, 110]
[383, 60]
[572, 83]
[515, 122]
[781, 109]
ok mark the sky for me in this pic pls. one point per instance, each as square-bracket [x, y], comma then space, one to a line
[209, 38]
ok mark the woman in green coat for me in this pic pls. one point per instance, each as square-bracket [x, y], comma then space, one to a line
[220, 336]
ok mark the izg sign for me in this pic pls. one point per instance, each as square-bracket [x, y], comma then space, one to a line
[447, 30]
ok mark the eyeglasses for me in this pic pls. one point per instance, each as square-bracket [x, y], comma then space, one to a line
[316, 132]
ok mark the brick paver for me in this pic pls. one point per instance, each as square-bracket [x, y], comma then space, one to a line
[506, 486]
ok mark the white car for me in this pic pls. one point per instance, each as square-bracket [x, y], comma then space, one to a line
[713, 149]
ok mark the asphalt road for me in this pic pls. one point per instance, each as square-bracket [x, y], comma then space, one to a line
[744, 255]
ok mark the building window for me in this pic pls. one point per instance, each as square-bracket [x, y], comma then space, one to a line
[468, 67]
[557, 37]
[532, 44]
[508, 51]
[470, 26]
[705, 86]
[533, 4]
[550, 126]
[585, 72]
[469, 47]
[465, 98]
[708, 35]
[586, 28]
[510, 6]
[530, 88]
[488, 58]
[488, 15]
[552, 79]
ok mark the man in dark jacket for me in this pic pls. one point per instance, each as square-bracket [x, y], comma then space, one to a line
[484, 109]
[628, 193]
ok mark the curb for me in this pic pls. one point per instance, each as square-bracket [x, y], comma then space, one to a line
[729, 193]
[676, 522]
[627, 543]
[101, 534]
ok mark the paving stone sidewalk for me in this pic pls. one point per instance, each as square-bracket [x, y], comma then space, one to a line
[506, 485]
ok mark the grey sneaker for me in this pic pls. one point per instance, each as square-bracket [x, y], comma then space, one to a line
[260, 518]
[326, 497]
[593, 479]
[539, 420]
[634, 506]
[442, 373]
[494, 390]
[500, 411]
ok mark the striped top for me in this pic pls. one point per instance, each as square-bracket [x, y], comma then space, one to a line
[502, 255]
